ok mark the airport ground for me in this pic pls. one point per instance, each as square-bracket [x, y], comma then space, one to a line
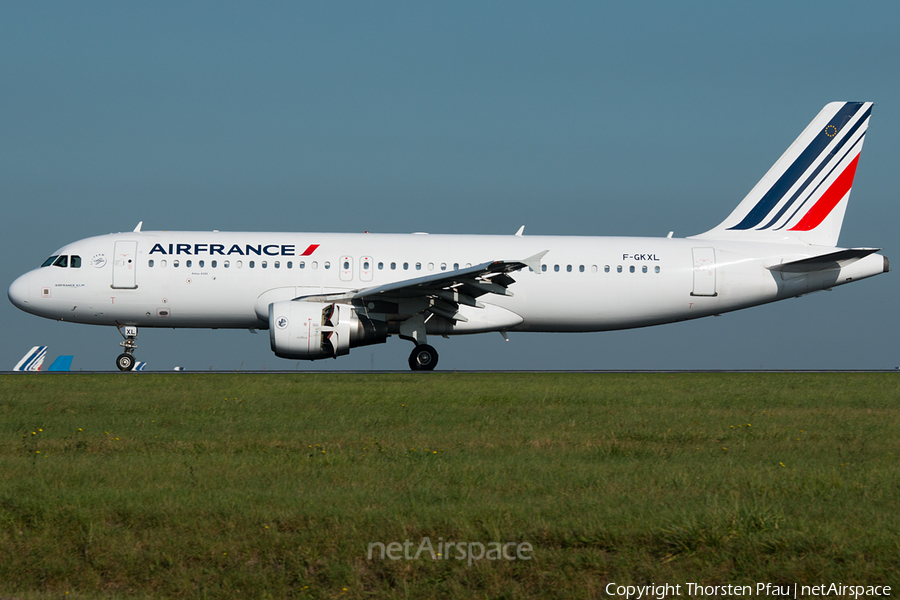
[296, 485]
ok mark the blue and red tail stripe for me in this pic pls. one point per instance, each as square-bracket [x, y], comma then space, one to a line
[814, 151]
[826, 203]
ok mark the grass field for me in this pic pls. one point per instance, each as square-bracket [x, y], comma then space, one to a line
[275, 486]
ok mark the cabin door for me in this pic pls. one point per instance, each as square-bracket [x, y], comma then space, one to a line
[124, 263]
[704, 272]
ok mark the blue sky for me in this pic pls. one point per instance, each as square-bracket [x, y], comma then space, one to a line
[467, 117]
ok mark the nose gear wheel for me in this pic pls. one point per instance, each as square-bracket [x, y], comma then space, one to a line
[126, 360]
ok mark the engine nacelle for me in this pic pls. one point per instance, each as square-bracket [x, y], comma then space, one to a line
[311, 330]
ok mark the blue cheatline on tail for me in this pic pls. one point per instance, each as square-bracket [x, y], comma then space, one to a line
[32, 360]
[804, 195]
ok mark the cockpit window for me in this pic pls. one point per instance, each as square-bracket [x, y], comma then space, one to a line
[62, 261]
[50, 260]
[75, 263]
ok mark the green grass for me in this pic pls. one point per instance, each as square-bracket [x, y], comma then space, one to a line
[273, 486]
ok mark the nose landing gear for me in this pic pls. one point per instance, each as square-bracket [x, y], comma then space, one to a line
[125, 361]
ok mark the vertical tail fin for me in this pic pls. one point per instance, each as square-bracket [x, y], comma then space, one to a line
[804, 195]
[32, 360]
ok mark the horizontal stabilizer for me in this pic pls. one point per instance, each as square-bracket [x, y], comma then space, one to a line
[832, 260]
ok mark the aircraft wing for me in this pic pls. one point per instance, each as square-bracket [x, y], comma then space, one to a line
[448, 289]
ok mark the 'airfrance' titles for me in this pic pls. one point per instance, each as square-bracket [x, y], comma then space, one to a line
[219, 249]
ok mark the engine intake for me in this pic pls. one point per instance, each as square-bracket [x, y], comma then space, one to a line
[312, 330]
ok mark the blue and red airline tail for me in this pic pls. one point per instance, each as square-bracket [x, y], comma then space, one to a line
[32, 360]
[804, 195]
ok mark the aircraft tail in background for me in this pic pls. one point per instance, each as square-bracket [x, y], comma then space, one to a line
[32, 360]
[804, 195]
[62, 363]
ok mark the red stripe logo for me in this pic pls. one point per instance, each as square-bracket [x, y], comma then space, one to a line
[310, 250]
[823, 207]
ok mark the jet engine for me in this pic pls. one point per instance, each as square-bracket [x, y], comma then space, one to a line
[312, 330]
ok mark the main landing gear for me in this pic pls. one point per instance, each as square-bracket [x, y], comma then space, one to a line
[125, 361]
[423, 358]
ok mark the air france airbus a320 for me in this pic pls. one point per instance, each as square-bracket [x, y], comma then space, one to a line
[321, 294]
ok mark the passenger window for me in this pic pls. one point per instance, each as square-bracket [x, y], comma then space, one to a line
[50, 260]
[631, 269]
[405, 266]
[418, 266]
[618, 268]
[162, 263]
[265, 264]
[75, 263]
[239, 264]
[226, 264]
[327, 264]
[365, 265]
[544, 268]
[150, 263]
[593, 268]
[214, 264]
[252, 264]
[175, 263]
[393, 266]
[431, 266]
[556, 268]
[443, 266]
[290, 264]
[62, 261]
[568, 268]
[188, 263]
[644, 269]
[314, 265]
[656, 269]
[302, 264]
[456, 266]
[277, 264]
[581, 268]
[380, 266]
[201, 263]
[346, 265]
[606, 268]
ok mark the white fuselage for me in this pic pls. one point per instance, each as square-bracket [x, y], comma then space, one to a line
[228, 279]
[321, 294]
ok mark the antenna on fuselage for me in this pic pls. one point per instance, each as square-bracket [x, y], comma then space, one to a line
[138, 228]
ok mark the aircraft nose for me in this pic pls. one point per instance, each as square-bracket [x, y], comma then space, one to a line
[18, 292]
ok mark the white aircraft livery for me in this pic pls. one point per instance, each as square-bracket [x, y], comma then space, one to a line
[321, 294]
